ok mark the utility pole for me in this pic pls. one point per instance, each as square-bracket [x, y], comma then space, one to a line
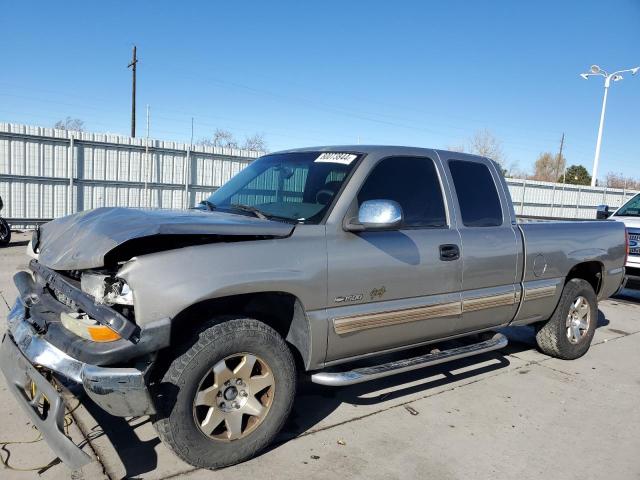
[560, 157]
[557, 176]
[132, 65]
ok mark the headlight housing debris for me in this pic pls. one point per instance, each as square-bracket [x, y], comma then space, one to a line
[106, 289]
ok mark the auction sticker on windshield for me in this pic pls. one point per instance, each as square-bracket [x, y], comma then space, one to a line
[335, 157]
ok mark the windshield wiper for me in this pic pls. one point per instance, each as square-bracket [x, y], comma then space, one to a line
[210, 205]
[247, 208]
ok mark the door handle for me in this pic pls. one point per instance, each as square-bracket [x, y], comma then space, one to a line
[449, 252]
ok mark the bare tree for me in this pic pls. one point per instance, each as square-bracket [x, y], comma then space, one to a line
[485, 144]
[70, 124]
[220, 138]
[618, 180]
[549, 167]
[226, 139]
[255, 142]
[223, 138]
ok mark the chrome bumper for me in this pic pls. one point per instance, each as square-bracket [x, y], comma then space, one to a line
[119, 391]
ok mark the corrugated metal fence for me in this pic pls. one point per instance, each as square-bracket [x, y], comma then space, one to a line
[47, 173]
[558, 200]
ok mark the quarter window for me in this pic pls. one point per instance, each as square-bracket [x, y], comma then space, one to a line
[477, 194]
[413, 183]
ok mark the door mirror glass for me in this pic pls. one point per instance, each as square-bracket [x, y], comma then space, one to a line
[603, 212]
[377, 215]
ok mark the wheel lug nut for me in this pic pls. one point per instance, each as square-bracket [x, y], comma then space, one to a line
[219, 394]
[227, 383]
[223, 405]
[243, 393]
[235, 405]
[239, 381]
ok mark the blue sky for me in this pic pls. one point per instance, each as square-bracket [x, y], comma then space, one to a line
[427, 73]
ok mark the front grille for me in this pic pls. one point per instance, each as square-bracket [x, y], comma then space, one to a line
[634, 243]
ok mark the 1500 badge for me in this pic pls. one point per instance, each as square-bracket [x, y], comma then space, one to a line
[349, 298]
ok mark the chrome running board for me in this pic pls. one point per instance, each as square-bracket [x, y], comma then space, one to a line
[365, 374]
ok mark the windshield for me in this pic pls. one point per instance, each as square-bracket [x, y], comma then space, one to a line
[631, 208]
[298, 186]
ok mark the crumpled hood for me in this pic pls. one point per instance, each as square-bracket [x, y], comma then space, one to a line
[82, 240]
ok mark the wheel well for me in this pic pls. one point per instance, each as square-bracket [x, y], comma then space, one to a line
[589, 271]
[280, 310]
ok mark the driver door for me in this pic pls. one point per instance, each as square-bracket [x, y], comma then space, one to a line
[391, 289]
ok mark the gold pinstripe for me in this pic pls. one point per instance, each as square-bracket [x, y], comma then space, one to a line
[489, 301]
[366, 321]
[539, 292]
[356, 323]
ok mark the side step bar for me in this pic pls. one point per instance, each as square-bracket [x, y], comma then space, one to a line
[365, 374]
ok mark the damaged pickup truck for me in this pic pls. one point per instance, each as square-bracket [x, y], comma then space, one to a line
[304, 262]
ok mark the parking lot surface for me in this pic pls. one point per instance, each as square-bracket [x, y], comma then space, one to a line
[509, 414]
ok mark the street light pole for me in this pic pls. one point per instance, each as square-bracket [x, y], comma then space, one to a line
[596, 158]
[608, 77]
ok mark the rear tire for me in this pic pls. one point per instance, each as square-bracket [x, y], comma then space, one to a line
[569, 332]
[5, 233]
[225, 393]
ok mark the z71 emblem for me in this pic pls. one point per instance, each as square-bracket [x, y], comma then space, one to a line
[349, 298]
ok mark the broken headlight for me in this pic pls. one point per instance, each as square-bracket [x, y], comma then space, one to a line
[106, 289]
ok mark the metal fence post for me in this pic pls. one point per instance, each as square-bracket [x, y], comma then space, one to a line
[187, 171]
[145, 173]
[70, 162]
[578, 200]
[524, 191]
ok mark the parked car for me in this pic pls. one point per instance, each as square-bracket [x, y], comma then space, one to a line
[304, 262]
[5, 229]
[629, 215]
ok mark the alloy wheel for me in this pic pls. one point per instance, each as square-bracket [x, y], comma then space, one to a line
[234, 397]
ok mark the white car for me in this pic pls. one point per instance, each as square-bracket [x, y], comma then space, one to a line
[629, 214]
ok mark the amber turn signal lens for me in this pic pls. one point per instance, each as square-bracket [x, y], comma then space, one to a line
[101, 333]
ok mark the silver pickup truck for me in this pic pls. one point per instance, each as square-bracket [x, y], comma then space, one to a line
[629, 215]
[304, 262]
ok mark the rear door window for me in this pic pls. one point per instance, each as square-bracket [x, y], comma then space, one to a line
[477, 194]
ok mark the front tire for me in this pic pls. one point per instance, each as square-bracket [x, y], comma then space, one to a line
[226, 393]
[569, 332]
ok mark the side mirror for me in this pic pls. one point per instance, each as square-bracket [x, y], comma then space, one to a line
[376, 215]
[602, 213]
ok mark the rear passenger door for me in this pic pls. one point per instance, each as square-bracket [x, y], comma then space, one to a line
[491, 247]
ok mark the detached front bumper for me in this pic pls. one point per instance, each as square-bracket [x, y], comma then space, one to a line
[23, 377]
[26, 356]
